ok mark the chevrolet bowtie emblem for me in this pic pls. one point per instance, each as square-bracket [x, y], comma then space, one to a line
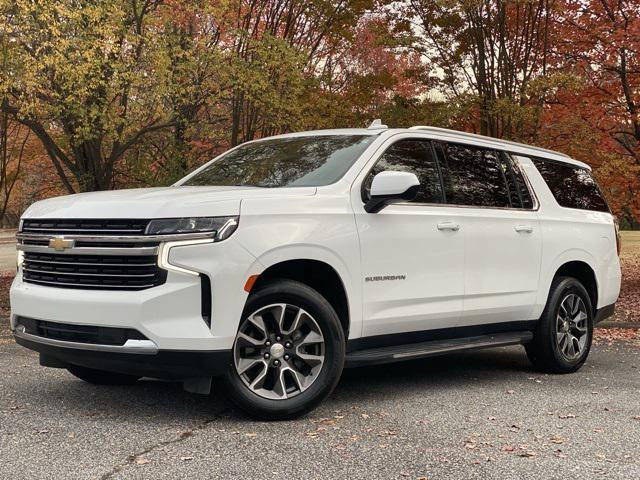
[60, 243]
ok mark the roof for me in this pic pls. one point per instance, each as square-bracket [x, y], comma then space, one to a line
[377, 128]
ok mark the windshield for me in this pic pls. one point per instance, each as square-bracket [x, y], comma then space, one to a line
[285, 162]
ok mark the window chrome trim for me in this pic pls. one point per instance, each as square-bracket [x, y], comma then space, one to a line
[451, 205]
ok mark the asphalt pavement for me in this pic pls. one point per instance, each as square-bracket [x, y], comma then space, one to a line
[484, 415]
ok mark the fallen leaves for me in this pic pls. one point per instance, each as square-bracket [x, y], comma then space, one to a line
[523, 450]
[627, 305]
[566, 416]
[527, 454]
[559, 454]
[324, 424]
[610, 336]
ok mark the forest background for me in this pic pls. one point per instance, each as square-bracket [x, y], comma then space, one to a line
[129, 93]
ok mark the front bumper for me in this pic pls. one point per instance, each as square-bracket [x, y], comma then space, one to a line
[163, 364]
[170, 315]
[178, 341]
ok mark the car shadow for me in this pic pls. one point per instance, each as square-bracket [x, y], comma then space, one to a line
[437, 373]
[159, 400]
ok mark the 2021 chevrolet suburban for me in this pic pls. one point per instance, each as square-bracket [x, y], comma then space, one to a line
[288, 258]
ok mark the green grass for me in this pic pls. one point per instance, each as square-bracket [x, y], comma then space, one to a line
[630, 241]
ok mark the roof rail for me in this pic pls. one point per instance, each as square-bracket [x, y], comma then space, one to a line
[484, 137]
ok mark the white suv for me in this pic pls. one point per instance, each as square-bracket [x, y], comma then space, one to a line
[285, 259]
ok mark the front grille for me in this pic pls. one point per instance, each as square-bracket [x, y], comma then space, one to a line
[101, 227]
[97, 272]
[97, 261]
[79, 333]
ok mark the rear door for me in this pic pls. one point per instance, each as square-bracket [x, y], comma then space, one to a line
[503, 244]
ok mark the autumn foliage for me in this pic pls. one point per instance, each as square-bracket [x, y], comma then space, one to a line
[121, 93]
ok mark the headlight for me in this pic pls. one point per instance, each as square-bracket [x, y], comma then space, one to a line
[223, 226]
[20, 259]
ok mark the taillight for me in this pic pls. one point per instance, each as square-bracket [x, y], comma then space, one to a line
[616, 225]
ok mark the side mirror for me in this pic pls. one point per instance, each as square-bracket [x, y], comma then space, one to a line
[391, 187]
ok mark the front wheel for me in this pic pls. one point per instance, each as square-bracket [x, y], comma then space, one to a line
[562, 340]
[288, 353]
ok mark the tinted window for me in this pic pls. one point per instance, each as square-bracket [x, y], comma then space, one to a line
[519, 194]
[415, 156]
[295, 162]
[573, 187]
[473, 176]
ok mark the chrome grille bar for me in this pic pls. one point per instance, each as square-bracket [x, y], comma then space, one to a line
[90, 285]
[83, 274]
[21, 237]
[138, 251]
[88, 264]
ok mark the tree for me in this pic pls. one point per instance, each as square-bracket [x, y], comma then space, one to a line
[604, 49]
[491, 48]
[599, 46]
[85, 78]
[13, 141]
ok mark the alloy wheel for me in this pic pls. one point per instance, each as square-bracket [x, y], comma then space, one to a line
[572, 327]
[279, 351]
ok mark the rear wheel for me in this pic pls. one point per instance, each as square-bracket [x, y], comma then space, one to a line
[100, 377]
[288, 353]
[563, 338]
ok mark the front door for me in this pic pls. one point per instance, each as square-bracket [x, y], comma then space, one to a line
[412, 253]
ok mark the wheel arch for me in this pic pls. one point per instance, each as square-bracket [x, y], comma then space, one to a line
[320, 270]
[576, 263]
[586, 275]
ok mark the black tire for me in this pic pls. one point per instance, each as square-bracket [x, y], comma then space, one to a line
[101, 377]
[544, 351]
[300, 295]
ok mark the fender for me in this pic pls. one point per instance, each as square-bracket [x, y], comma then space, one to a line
[304, 251]
[546, 275]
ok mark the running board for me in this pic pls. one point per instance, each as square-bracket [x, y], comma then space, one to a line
[434, 347]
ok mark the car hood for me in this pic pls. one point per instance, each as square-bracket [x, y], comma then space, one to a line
[165, 202]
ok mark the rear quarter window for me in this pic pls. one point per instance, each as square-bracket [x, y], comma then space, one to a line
[572, 186]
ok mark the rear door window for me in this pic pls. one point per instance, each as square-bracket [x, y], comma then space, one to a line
[572, 186]
[473, 176]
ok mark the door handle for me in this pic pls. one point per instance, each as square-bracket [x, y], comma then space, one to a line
[454, 227]
[524, 228]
